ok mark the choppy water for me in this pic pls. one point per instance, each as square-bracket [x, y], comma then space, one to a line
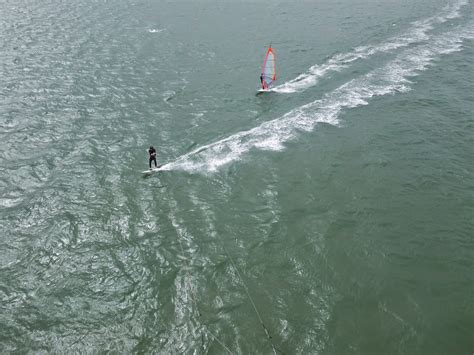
[334, 215]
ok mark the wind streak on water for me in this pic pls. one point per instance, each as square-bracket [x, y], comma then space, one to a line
[389, 79]
[417, 33]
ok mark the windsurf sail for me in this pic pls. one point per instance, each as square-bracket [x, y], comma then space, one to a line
[268, 69]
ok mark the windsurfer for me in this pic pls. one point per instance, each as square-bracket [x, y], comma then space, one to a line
[152, 154]
[268, 75]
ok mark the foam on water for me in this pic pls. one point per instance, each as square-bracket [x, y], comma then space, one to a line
[155, 30]
[390, 79]
[416, 33]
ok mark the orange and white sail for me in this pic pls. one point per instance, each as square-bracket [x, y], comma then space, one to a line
[269, 69]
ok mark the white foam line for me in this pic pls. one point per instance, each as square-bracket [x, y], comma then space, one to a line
[155, 30]
[417, 33]
[271, 135]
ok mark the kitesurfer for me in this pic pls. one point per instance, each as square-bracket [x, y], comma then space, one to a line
[152, 153]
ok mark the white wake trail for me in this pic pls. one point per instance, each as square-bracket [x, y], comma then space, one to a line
[416, 33]
[389, 79]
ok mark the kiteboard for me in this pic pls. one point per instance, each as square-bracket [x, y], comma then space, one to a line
[152, 170]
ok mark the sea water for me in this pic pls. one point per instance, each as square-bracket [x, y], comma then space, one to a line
[332, 215]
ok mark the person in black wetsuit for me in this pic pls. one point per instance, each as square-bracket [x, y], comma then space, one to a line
[261, 81]
[152, 153]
